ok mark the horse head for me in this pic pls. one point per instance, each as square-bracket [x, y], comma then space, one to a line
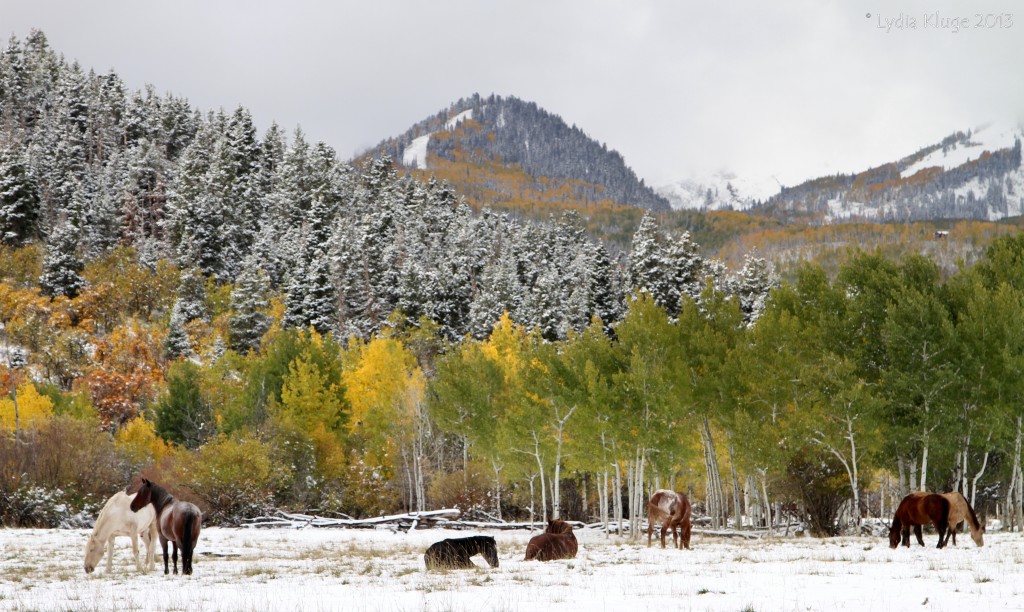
[143, 497]
[490, 551]
[895, 534]
[94, 550]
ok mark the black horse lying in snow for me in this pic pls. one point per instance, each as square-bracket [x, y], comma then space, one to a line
[454, 553]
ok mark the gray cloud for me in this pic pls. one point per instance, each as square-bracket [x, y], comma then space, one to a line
[792, 89]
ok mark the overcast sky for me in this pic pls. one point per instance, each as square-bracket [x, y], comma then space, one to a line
[787, 88]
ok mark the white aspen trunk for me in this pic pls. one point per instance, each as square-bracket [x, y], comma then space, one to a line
[497, 486]
[617, 491]
[543, 488]
[737, 510]
[465, 464]
[639, 501]
[767, 502]
[855, 478]
[532, 498]
[752, 511]
[716, 493]
[630, 485]
[903, 476]
[912, 468]
[979, 474]
[602, 497]
[556, 496]
[924, 461]
[1018, 507]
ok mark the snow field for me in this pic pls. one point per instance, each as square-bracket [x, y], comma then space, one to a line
[378, 570]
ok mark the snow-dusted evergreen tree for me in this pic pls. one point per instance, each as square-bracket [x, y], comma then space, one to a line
[191, 302]
[249, 320]
[62, 266]
[320, 302]
[19, 197]
[752, 284]
[647, 265]
[177, 344]
[685, 272]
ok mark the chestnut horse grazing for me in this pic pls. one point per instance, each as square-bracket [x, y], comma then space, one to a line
[178, 522]
[117, 519]
[672, 511]
[915, 510]
[557, 542]
[455, 553]
[961, 511]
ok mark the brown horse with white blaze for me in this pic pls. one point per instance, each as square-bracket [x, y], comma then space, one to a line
[672, 510]
[178, 522]
[915, 510]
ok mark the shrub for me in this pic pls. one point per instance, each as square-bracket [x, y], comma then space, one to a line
[235, 477]
[72, 459]
[818, 481]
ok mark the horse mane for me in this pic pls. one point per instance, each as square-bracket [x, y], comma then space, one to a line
[158, 496]
[558, 526]
[972, 517]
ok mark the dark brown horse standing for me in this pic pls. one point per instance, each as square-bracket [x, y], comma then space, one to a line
[557, 542]
[178, 522]
[672, 510]
[915, 510]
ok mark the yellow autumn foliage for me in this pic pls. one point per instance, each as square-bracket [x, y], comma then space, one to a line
[33, 408]
[385, 388]
[139, 441]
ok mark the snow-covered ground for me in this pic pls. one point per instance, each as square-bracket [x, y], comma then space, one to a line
[333, 569]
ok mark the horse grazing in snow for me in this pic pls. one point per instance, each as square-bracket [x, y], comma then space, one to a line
[117, 519]
[961, 511]
[178, 522]
[915, 510]
[672, 510]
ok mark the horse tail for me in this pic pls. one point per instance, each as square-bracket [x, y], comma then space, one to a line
[188, 543]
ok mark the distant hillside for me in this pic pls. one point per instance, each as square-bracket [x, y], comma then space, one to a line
[722, 190]
[969, 175]
[511, 154]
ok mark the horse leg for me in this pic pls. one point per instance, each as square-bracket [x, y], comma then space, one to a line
[684, 537]
[135, 549]
[163, 543]
[664, 528]
[942, 526]
[151, 547]
[175, 556]
[110, 553]
[917, 532]
[905, 535]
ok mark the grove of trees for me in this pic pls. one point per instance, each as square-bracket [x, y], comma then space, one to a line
[255, 323]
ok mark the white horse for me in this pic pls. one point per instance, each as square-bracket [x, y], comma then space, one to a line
[117, 519]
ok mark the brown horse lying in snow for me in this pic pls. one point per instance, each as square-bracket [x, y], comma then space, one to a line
[557, 542]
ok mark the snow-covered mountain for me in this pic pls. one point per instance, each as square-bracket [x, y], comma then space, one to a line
[722, 190]
[510, 153]
[976, 174]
